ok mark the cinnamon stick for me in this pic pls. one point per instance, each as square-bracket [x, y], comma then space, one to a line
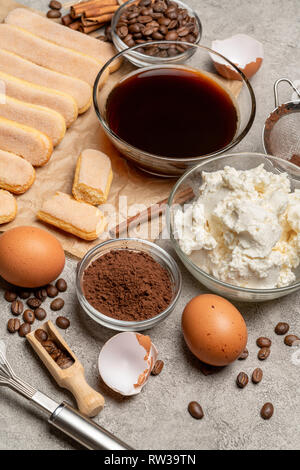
[89, 29]
[66, 20]
[98, 11]
[99, 19]
[77, 10]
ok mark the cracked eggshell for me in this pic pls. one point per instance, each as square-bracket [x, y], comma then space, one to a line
[125, 362]
[245, 52]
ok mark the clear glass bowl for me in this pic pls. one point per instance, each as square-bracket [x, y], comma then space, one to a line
[200, 60]
[191, 181]
[142, 60]
[134, 244]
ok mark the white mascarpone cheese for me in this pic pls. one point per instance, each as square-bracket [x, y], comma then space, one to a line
[244, 228]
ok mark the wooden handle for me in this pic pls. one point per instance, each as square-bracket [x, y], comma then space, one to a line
[89, 402]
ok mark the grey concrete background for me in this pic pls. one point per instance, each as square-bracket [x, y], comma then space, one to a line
[158, 417]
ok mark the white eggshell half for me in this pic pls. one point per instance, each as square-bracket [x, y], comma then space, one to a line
[124, 364]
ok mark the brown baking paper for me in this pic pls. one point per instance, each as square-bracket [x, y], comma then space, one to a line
[130, 187]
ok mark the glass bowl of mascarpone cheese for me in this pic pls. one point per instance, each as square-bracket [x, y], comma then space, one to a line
[234, 222]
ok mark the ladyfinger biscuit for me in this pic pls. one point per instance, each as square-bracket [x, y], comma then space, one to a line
[25, 141]
[8, 207]
[80, 219]
[93, 176]
[16, 174]
[62, 36]
[43, 119]
[42, 96]
[48, 55]
[26, 70]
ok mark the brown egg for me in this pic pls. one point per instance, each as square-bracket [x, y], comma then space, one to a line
[30, 257]
[214, 329]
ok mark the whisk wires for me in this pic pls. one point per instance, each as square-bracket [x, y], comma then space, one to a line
[9, 379]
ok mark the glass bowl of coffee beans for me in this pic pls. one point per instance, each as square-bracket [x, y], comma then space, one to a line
[139, 23]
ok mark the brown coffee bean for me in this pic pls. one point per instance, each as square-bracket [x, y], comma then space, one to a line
[146, 11]
[55, 354]
[145, 3]
[257, 375]
[195, 410]
[157, 36]
[162, 53]
[289, 340]
[133, 28]
[263, 353]
[148, 31]
[13, 325]
[10, 295]
[158, 367]
[55, 5]
[282, 328]
[172, 51]
[133, 15]
[159, 7]
[157, 15]
[163, 29]
[183, 31]
[267, 411]
[41, 294]
[144, 19]
[63, 322]
[263, 342]
[57, 304]
[53, 14]
[171, 13]
[173, 24]
[34, 303]
[17, 307]
[244, 355]
[24, 329]
[41, 335]
[164, 21]
[152, 51]
[190, 38]
[28, 316]
[24, 294]
[49, 345]
[122, 31]
[52, 291]
[242, 380]
[61, 285]
[64, 362]
[171, 36]
[40, 313]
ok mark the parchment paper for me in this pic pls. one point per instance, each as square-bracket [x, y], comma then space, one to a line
[58, 174]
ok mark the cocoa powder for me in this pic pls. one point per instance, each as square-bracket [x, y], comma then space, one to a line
[127, 285]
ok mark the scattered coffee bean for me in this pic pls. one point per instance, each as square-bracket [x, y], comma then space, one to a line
[242, 380]
[17, 307]
[289, 340]
[55, 5]
[158, 367]
[282, 328]
[10, 295]
[34, 303]
[24, 294]
[64, 362]
[267, 411]
[28, 316]
[13, 325]
[52, 291]
[257, 375]
[49, 345]
[263, 353]
[63, 322]
[53, 14]
[24, 329]
[61, 285]
[263, 342]
[195, 410]
[41, 294]
[41, 335]
[57, 304]
[40, 313]
[244, 355]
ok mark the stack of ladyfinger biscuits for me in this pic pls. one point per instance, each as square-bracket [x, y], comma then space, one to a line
[46, 74]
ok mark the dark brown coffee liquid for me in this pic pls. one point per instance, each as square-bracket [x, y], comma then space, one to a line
[172, 112]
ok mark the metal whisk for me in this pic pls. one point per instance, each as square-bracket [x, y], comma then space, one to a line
[62, 416]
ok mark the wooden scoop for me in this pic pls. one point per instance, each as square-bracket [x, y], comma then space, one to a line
[89, 402]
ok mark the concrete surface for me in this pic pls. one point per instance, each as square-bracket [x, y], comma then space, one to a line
[158, 417]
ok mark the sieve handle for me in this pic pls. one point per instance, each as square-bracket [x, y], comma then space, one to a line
[276, 89]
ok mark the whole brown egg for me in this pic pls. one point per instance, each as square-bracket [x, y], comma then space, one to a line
[214, 329]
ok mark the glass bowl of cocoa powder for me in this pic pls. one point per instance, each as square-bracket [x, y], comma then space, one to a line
[128, 284]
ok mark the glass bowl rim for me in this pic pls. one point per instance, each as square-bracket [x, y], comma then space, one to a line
[187, 260]
[233, 143]
[160, 252]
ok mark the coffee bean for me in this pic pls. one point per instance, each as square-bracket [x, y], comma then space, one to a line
[40, 313]
[257, 375]
[24, 294]
[282, 328]
[172, 36]
[53, 14]
[244, 355]
[55, 5]
[263, 353]
[158, 367]
[157, 36]
[64, 362]
[33, 302]
[123, 31]
[49, 345]
[10, 295]
[63, 322]
[148, 31]
[61, 285]
[242, 380]
[159, 7]
[55, 354]
[164, 21]
[41, 335]
[13, 325]
[172, 51]
[17, 307]
[267, 411]
[195, 410]
[24, 329]
[263, 342]
[52, 291]
[41, 294]
[183, 31]
[145, 3]
[289, 340]
[173, 24]
[28, 316]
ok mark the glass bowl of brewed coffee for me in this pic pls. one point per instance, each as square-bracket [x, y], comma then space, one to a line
[166, 118]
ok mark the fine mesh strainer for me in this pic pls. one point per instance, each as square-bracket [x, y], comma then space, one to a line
[281, 133]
